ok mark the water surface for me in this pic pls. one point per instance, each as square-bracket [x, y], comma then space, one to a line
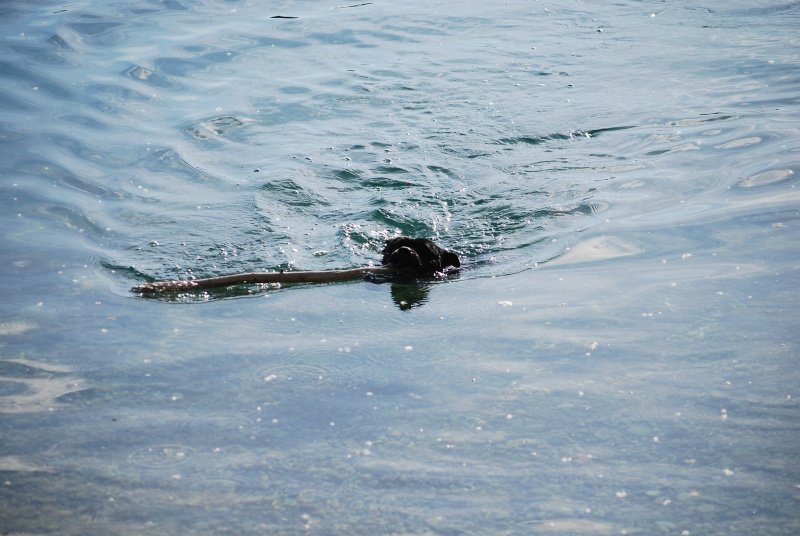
[617, 354]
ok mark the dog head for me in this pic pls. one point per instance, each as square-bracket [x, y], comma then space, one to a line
[418, 256]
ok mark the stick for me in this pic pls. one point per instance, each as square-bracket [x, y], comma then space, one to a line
[325, 276]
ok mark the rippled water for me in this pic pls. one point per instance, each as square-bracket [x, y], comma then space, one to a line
[617, 354]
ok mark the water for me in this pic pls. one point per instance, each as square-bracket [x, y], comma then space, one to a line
[617, 354]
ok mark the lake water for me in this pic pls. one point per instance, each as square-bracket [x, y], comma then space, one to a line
[618, 355]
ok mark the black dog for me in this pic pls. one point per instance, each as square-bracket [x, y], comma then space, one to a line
[418, 256]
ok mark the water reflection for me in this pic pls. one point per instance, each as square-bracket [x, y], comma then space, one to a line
[406, 295]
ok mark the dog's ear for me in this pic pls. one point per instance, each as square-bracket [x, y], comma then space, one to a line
[394, 243]
[391, 246]
[429, 253]
[450, 259]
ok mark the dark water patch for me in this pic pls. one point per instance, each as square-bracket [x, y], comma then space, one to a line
[450, 173]
[196, 49]
[14, 104]
[294, 90]
[222, 126]
[133, 274]
[11, 11]
[537, 140]
[175, 5]
[290, 193]
[34, 81]
[109, 94]
[177, 66]
[275, 42]
[149, 77]
[79, 155]
[86, 397]
[271, 113]
[391, 38]
[363, 4]
[209, 131]
[74, 219]
[786, 76]
[203, 64]
[679, 148]
[41, 55]
[342, 37]
[380, 145]
[386, 182]
[58, 175]
[99, 31]
[599, 131]
[782, 9]
[417, 26]
[83, 121]
[777, 103]
[93, 29]
[406, 224]
[166, 159]
[466, 152]
[348, 174]
[28, 369]
[391, 170]
[700, 120]
[343, 414]
[10, 388]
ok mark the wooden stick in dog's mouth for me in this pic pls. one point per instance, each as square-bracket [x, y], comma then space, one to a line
[324, 276]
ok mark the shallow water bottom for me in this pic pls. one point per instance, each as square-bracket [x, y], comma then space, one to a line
[637, 394]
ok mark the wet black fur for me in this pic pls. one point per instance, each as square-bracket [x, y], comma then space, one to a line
[418, 256]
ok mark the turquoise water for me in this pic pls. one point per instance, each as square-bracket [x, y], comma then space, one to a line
[617, 355]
